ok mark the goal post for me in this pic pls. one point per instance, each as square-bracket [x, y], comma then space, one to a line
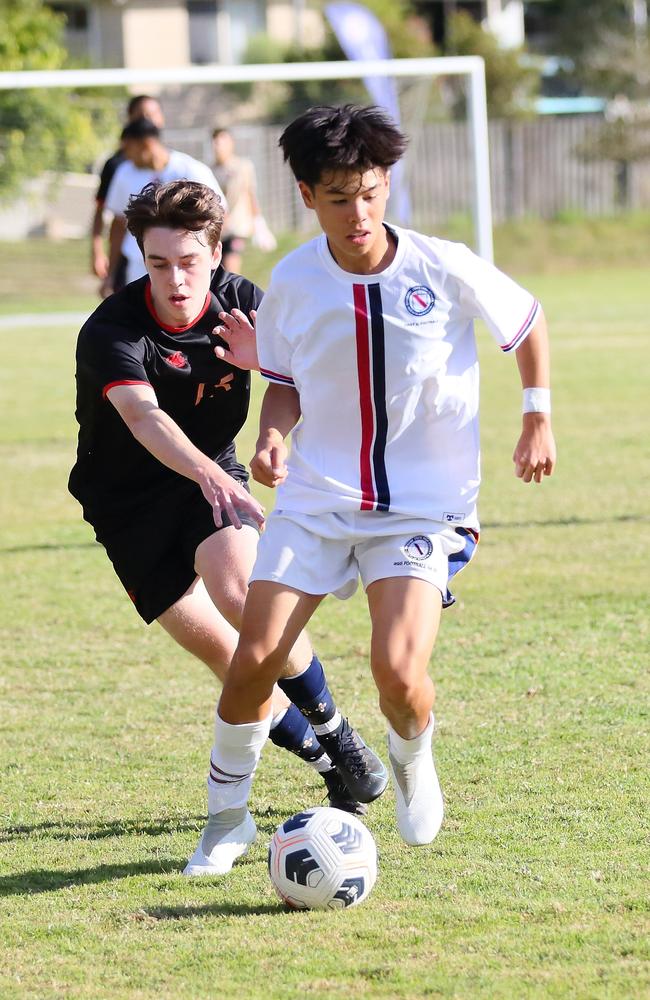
[470, 67]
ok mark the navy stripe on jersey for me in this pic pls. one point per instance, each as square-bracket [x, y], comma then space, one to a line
[379, 393]
[371, 373]
[277, 377]
[524, 330]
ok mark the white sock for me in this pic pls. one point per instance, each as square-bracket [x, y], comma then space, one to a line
[405, 751]
[235, 755]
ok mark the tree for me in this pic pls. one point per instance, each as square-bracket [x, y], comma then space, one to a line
[511, 83]
[605, 52]
[608, 55]
[43, 129]
[408, 37]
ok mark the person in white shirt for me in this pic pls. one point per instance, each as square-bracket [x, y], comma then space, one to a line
[140, 106]
[147, 159]
[244, 221]
[366, 339]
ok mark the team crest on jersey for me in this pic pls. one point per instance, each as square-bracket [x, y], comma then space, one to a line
[418, 548]
[177, 360]
[419, 300]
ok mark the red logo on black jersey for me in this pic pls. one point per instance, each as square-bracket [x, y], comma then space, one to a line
[178, 360]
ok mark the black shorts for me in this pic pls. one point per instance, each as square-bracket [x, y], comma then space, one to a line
[153, 555]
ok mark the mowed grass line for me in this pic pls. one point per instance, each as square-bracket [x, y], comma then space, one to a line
[537, 885]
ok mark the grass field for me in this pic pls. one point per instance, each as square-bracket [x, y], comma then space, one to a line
[536, 886]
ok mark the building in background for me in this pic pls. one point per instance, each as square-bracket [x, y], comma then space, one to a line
[503, 18]
[150, 33]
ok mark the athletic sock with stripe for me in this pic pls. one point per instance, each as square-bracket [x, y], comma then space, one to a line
[235, 755]
[309, 691]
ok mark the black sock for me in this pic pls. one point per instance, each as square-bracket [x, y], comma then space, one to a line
[309, 691]
[294, 733]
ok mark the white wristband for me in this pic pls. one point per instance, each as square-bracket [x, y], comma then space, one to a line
[537, 401]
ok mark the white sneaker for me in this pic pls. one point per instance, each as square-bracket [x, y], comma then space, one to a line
[227, 836]
[420, 807]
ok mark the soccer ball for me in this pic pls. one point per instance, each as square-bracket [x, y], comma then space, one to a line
[322, 859]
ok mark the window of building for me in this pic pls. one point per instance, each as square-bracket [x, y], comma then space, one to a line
[203, 31]
[244, 19]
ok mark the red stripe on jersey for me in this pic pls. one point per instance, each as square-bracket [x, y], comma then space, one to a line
[172, 329]
[276, 376]
[365, 398]
[124, 381]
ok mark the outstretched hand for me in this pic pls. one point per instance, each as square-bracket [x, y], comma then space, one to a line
[239, 334]
[227, 496]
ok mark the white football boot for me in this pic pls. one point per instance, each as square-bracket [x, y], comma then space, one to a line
[418, 798]
[226, 837]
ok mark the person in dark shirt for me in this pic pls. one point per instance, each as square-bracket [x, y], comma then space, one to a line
[163, 380]
[141, 106]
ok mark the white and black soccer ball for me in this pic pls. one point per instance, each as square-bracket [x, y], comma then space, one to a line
[322, 859]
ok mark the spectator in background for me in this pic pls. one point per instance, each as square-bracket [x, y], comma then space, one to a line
[236, 176]
[147, 159]
[141, 106]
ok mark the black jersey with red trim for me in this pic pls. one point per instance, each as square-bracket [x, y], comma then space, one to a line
[124, 342]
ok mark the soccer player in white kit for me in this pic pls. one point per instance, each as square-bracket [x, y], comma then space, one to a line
[366, 339]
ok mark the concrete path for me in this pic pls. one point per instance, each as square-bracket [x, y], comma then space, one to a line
[14, 322]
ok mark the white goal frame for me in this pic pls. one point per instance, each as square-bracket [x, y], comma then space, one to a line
[471, 67]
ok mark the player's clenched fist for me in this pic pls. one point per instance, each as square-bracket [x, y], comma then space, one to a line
[269, 464]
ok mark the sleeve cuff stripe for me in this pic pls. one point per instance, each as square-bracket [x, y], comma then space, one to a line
[523, 330]
[276, 377]
[124, 381]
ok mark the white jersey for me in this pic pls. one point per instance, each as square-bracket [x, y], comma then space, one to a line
[386, 369]
[129, 179]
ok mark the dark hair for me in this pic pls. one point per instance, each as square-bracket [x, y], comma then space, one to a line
[139, 99]
[140, 128]
[180, 204]
[326, 139]
[219, 129]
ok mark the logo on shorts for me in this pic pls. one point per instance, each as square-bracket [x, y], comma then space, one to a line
[177, 360]
[419, 300]
[418, 548]
[453, 518]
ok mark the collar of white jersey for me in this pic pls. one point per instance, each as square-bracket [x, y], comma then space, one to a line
[326, 257]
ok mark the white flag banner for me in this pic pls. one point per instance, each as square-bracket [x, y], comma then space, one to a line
[362, 36]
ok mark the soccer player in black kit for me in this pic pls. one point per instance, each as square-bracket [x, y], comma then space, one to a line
[163, 380]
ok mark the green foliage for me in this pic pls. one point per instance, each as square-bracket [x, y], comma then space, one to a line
[511, 84]
[606, 54]
[30, 36]
[41, 130]
[407, 35]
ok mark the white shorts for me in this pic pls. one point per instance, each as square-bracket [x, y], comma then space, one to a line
[326, 553]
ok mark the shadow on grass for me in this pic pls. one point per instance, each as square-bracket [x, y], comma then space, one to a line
[208, 910]
[81, 830]
[44, 880]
